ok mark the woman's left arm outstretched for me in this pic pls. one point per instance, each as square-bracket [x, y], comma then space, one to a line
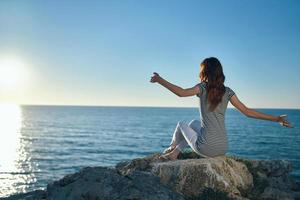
[258, 115]
[174, 88]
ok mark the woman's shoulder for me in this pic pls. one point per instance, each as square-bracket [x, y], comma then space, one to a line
[229, 91]
[202, 88]
[228, 88]
[203, 84]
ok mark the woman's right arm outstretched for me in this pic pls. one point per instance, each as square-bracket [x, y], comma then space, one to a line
[258, 115]
[174, 88]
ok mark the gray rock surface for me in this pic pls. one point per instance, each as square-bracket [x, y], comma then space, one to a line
[106, 183]
[230, 176]
[102, 183]
[189, 177]
[271, 179]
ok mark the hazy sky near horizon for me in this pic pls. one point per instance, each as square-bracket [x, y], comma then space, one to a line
[104, 52]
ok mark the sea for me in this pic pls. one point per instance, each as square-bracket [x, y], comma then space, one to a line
[40, 144]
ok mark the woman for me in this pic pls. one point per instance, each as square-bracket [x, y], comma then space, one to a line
[208, 138]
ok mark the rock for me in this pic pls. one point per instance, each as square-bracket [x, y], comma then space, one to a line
[104, 183]
[273, 193]
[235, 177]
[274, 168]
[141, 164]
[190, 177]
[271, 179]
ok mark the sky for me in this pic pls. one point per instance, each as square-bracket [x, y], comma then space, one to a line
[104, 52]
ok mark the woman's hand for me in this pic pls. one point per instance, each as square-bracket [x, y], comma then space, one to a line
[174, 88]
[283, 122]
[155, 78]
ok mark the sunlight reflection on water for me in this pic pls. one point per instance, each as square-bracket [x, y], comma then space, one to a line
[12, 151]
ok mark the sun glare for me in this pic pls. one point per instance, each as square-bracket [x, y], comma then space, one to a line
[12, 176]
[12, 73]
[10, 117]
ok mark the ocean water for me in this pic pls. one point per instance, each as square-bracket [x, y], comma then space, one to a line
[39, 144]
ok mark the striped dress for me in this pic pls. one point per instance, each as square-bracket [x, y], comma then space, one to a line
[213, 138]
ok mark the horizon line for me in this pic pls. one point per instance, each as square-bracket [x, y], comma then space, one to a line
[142, 106]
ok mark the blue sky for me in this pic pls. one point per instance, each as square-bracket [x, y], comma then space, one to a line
[104, 52]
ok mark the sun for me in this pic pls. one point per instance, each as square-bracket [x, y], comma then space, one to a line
[12, 73]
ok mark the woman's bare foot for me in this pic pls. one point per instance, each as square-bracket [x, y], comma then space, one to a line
[169, 149]
[170, 156]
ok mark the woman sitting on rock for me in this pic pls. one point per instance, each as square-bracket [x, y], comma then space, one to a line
[208, 138]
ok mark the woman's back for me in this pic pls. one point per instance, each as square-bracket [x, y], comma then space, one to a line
[213, 132]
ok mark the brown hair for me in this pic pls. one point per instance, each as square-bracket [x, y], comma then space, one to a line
[212, 72]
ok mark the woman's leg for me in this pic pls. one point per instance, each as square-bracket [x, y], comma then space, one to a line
[177, 136]
[189, 133]
[183, 136]
[195, 125]
[176, 139]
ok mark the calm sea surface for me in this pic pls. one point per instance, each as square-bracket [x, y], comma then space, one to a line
[39, 144]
